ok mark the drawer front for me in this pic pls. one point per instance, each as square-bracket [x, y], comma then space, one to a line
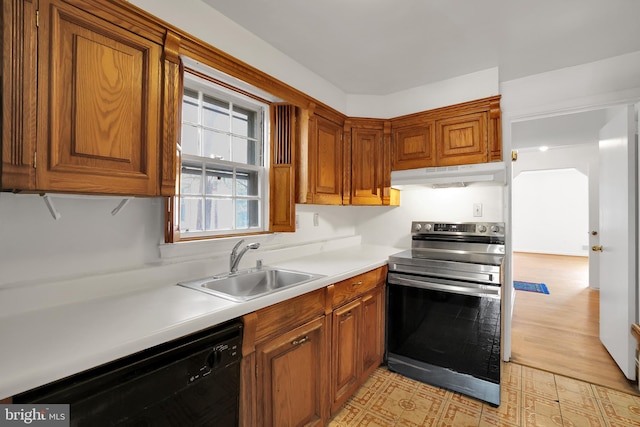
[284, 316]
[350, 289]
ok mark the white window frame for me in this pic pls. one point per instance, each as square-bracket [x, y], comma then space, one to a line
[200, 84]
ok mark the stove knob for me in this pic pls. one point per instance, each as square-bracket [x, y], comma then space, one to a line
[495, 228]
[482, 228]
[418, 227]
[427, 227]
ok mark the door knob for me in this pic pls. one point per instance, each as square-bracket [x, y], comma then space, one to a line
[596, 248]
[594, 233]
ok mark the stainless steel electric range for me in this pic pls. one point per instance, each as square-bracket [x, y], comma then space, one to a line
[443, 307]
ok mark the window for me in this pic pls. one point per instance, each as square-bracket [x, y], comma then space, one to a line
[224, 175]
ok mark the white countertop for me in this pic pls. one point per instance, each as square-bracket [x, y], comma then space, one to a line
[47, 344]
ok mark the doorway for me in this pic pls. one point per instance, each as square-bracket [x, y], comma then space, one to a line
[541, 321]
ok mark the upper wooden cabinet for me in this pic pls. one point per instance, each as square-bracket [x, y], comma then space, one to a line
[455, 135]
[282, 172]
[462, 140]
[343, 162]
[414, 146]
[101, 87]
[367, 157]
[321, 164]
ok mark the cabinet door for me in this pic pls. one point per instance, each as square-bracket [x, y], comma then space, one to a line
[462, 140]
[292, 378]
[325, 158]
[366, 167]
[345, 362]
[372, 335]
[414, 147]
[99, 105]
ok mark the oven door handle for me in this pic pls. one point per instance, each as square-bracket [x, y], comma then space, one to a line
[478, 290]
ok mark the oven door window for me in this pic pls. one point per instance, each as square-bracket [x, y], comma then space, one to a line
[454, 331]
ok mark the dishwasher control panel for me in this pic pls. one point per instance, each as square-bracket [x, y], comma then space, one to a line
[220, 356]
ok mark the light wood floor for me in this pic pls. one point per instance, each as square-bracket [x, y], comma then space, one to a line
[559, 332]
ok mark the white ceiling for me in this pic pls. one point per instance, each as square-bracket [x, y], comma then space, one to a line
[378, 47]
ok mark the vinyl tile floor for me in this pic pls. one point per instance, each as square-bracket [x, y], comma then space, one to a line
[529, 397]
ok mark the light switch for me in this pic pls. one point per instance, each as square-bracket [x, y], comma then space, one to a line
[477, 209]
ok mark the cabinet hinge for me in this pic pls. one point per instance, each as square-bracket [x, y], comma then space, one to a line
[37, 18]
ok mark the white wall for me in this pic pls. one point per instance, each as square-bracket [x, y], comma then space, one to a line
[459, 89]
[392, 225]
[611, 81]
[551, 212]
[88, 240]
[583, 158]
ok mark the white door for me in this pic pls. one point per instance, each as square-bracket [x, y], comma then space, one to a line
[617, 232]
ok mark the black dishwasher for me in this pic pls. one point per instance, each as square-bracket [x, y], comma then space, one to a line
[191, 381]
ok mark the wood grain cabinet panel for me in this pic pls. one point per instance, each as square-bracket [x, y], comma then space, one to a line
[357, 343]
[345, 360]
[292, 373]
[326, 158]
[414, 147]
[92, 92]
[372, 332]
[458, 134]
[19, 94]
[462, 140]
[366, 166]
[99, 105]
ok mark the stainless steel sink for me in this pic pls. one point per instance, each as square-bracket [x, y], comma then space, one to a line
[248, 284]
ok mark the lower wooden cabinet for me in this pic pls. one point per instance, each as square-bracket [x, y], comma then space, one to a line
[292, 378]
[304, 357]
[357, 344]
[372, 338]
[345, 363]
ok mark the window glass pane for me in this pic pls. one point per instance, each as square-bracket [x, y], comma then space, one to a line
[189, 140]
[215, 113]
[217, 192]
[190, 214]
[244, 122]
[245, 151]
[247, 215]
[191, 181]
[219, 214]
[219, 182]
[247, 183]
[190, 106]
[216, 145]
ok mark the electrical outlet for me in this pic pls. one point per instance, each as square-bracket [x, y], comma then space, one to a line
[297, 221]
[477, 209]
[316, 219]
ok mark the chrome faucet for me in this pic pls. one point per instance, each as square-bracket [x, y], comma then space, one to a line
[235, 258]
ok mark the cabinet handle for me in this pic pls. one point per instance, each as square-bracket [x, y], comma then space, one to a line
[300, 341]
[357, 283]
[347, 315]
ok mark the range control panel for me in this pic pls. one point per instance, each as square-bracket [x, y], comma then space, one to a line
[460, 228]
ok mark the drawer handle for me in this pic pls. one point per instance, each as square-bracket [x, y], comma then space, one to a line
[300, 341]
[357, 283]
